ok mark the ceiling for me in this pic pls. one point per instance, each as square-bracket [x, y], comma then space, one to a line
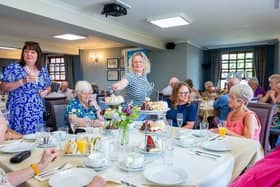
[214, 23]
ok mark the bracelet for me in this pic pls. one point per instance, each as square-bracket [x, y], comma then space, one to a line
[35, 169]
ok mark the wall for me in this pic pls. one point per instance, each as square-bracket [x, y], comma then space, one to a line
[183, 62]
[97, 72]
[194, 65]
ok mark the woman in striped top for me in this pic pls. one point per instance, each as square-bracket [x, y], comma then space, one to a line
[135, 81]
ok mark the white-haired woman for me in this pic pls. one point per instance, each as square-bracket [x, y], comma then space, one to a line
[210, 91]
[258, 90]
[81, 110]
[241, 121]
[273, 95]
[135, 81]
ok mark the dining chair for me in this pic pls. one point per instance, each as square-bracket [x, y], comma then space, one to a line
[58, 115]
[264, 112]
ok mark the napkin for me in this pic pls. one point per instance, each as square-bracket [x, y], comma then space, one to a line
[46, 177]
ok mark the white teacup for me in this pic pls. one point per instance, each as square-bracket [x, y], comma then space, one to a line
[96, 160]
[134, 160]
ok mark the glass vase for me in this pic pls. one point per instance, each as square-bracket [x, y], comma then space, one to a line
[123, 136]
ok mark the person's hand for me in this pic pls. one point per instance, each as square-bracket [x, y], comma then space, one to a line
[115, 87]
[43, 93]
[30, 78]
[98, 123]
[271, 93]
[48, 156]
[97, 181]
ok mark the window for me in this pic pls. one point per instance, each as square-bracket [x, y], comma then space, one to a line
[56, 67]
[233, 62]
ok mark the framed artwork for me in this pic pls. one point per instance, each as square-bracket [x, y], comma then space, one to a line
[112, 63]
[122, 63]
[112, 75]
[122, 72]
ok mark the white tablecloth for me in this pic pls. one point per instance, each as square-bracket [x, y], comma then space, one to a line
[202, 171]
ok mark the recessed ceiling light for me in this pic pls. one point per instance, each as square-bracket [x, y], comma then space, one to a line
[69, 37]
[170, 22]
[8, 48]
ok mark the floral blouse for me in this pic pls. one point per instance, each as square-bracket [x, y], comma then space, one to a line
[75, 107]
[4, 179]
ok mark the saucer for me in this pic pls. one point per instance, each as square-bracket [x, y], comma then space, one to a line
[123, 166]
[87, 165]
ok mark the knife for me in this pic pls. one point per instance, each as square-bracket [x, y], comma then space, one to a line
[210, 154]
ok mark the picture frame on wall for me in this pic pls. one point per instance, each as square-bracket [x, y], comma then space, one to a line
[122, 72]
[112, 75]
[112, 63]
[122, 63]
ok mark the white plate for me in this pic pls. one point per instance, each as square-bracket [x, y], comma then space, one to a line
[88, 165]
[165, 175]
[17, 147]
[113, 103]
[141, 149]
[46, 145]
[125, 168]
[216, 146]
[154, 112]
[186, 142]
[30, 136]
[75, 177]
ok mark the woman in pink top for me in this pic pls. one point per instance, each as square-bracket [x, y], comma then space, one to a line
[241, 121]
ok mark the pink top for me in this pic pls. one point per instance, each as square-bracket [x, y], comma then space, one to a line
[265, 173]
[237, 125]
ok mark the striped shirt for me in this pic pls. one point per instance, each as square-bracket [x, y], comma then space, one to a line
[138, 88]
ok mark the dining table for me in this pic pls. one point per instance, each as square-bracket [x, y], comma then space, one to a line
[202, 167]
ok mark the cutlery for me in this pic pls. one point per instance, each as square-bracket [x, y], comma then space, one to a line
[213, 138]
[128, 184]
[44, 173]
[210, 154]
[54, 172]
[205, 155]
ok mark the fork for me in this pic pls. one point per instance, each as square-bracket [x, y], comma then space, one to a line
[50, 171]
[128, 184]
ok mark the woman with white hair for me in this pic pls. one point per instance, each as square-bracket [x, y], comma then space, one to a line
[135, 81]
[241, 121]
[273, 95]
[258, 90]
[81, 110]
[210, 91]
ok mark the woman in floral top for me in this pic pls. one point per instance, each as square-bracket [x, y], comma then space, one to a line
[82, 110]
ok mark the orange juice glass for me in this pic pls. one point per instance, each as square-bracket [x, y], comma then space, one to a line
[82, 145]
[222, 131]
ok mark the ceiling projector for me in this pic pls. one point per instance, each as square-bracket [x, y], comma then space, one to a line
[114, 9]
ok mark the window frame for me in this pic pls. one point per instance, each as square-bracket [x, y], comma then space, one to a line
[53, 71]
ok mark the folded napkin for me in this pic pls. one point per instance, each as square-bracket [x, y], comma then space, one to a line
[51, 172]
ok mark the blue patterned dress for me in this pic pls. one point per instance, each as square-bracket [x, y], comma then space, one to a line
[25, 103]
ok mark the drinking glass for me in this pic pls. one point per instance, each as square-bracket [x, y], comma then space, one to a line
[222, 128]
[204, 125]
[168, 149]
[180, 119]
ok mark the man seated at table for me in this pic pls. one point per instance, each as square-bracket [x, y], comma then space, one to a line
[65, 90]
[221, 104]
[168, 89]
[265, 173]
[210, 92]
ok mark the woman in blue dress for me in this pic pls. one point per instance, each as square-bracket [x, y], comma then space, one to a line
[27, 83]
[179, 102]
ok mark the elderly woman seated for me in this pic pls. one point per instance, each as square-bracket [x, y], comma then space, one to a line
[210, 91]
[241, 121]
[179, 102]
[82, 111]
[258, 90]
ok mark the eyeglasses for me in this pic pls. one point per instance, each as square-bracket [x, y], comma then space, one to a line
[183, 93]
